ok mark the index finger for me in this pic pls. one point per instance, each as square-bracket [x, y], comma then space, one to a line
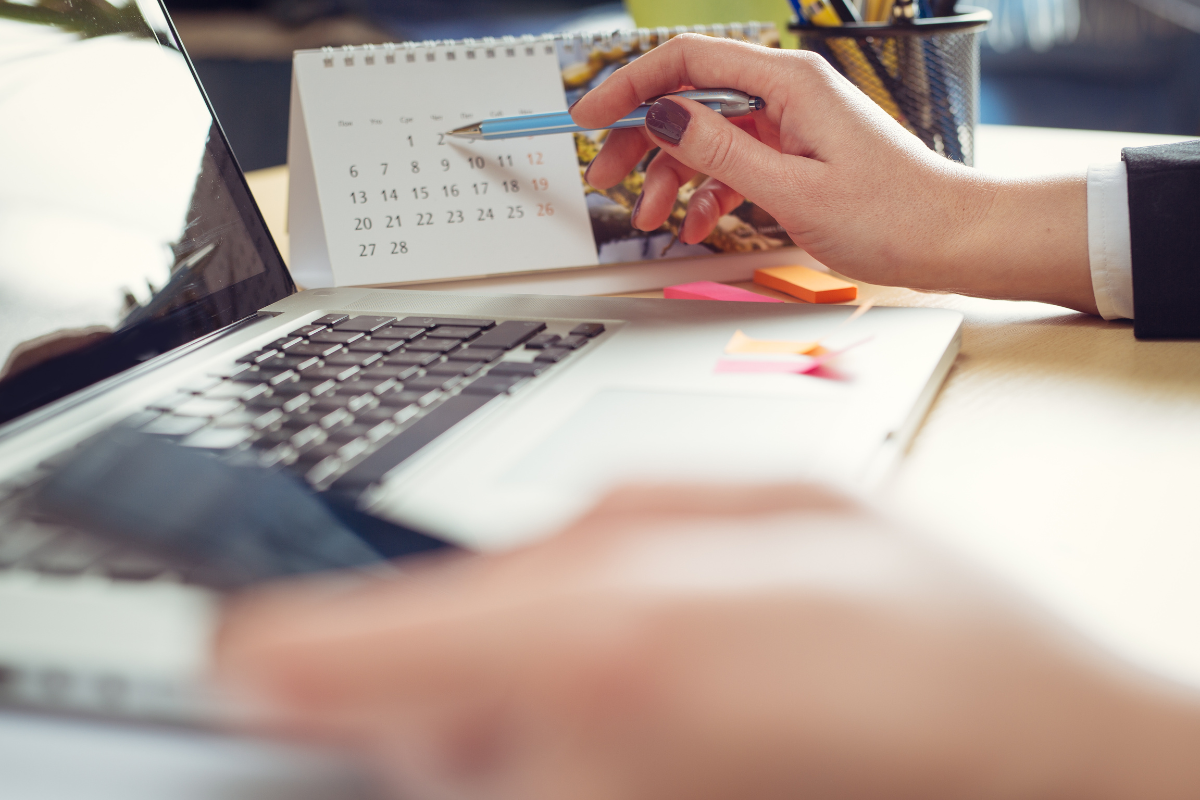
[689, 59]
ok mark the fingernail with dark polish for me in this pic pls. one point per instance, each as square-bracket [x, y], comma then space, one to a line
[633, 214]
[668, 120]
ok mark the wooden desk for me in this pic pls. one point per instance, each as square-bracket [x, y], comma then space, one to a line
[1061, 451]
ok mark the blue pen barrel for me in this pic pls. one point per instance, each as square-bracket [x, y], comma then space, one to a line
[925, 73]
[556, 122]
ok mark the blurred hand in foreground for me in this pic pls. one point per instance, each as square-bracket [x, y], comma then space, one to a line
[695, 643]
[846, 181]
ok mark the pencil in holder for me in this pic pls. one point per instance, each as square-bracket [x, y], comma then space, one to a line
[923, 72]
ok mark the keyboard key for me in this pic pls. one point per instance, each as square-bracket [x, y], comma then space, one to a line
[473, 353]
[454, 332]
[433, 322]
[377, 345]
[330, 319]
[411, 397]
[553, 355]
[363, 385]
[315, 388]
[353, 448]
[280, 363]
[432, 345]
[334, 373]
[492, 385]
[370, 432]
[456, 368]
[416, 358]
[394, 332]
[234, 390]
[508, 335]
[374, 467]
[213, 438]
[336, 418]
[588, 329]
[397, 372]
[388, 414]
[284, 343]
[307, 330]
[351, 403]
[320, 350]
[307, 438]
[336, 337]
[170, 425]
[358, 359]
[204, 407]
[572, 342]
[283, 377]
[364, 324]
[542, 341]
[442, 382]
[317, 453]
[258, 356]
[518, 368]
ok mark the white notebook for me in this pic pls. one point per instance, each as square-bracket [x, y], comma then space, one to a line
[380, 196]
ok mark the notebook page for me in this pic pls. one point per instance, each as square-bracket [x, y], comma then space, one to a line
[401, 201]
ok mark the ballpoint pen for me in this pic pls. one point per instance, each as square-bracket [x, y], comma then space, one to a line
[727, 102]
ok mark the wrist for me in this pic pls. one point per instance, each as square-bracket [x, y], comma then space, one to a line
[1018, 239]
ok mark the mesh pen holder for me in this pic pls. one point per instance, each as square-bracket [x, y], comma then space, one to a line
[925, 73]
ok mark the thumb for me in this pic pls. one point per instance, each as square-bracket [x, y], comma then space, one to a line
[704, 140]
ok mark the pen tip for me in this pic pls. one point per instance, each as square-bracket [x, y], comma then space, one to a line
[466, 131]
[757, 104]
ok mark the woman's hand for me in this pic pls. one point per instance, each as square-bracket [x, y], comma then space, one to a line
[704, 644]
[846, 181]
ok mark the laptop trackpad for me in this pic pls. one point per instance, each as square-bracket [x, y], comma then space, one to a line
[623, 436]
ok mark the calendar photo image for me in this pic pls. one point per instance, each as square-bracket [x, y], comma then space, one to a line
[381, 195]
[746, 229]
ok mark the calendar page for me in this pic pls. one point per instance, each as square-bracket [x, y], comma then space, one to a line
[381, 195]
[401, 201]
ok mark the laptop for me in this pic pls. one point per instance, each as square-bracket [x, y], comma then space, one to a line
[139, 287]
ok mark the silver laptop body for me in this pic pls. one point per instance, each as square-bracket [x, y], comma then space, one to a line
[139, 287]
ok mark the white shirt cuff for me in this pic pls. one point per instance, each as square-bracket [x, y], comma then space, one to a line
[1108, 239]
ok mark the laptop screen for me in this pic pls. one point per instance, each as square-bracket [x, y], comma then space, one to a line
[126, 228]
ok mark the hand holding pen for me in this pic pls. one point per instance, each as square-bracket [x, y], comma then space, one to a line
[842, 178]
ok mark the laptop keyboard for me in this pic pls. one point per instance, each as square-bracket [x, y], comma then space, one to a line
[339, 402]
[343, 400]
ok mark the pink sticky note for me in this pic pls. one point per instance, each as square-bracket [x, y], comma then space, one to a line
[799, 366]
[710, 290]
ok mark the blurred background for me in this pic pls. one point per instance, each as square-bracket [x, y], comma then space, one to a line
[1121, 65]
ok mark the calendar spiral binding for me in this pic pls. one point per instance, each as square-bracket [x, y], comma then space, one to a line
[568, 46]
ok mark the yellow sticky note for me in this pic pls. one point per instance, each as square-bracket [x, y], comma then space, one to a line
[741, 343]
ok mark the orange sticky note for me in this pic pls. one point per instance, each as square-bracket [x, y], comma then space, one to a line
[807, 284]
[741, 343]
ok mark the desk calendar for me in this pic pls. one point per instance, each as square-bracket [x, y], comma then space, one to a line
[380, 195]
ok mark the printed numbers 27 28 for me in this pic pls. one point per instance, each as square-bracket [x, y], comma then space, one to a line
[399, 248]
[365, 250]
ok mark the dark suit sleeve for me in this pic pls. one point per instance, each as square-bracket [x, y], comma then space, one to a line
[1164, 236]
